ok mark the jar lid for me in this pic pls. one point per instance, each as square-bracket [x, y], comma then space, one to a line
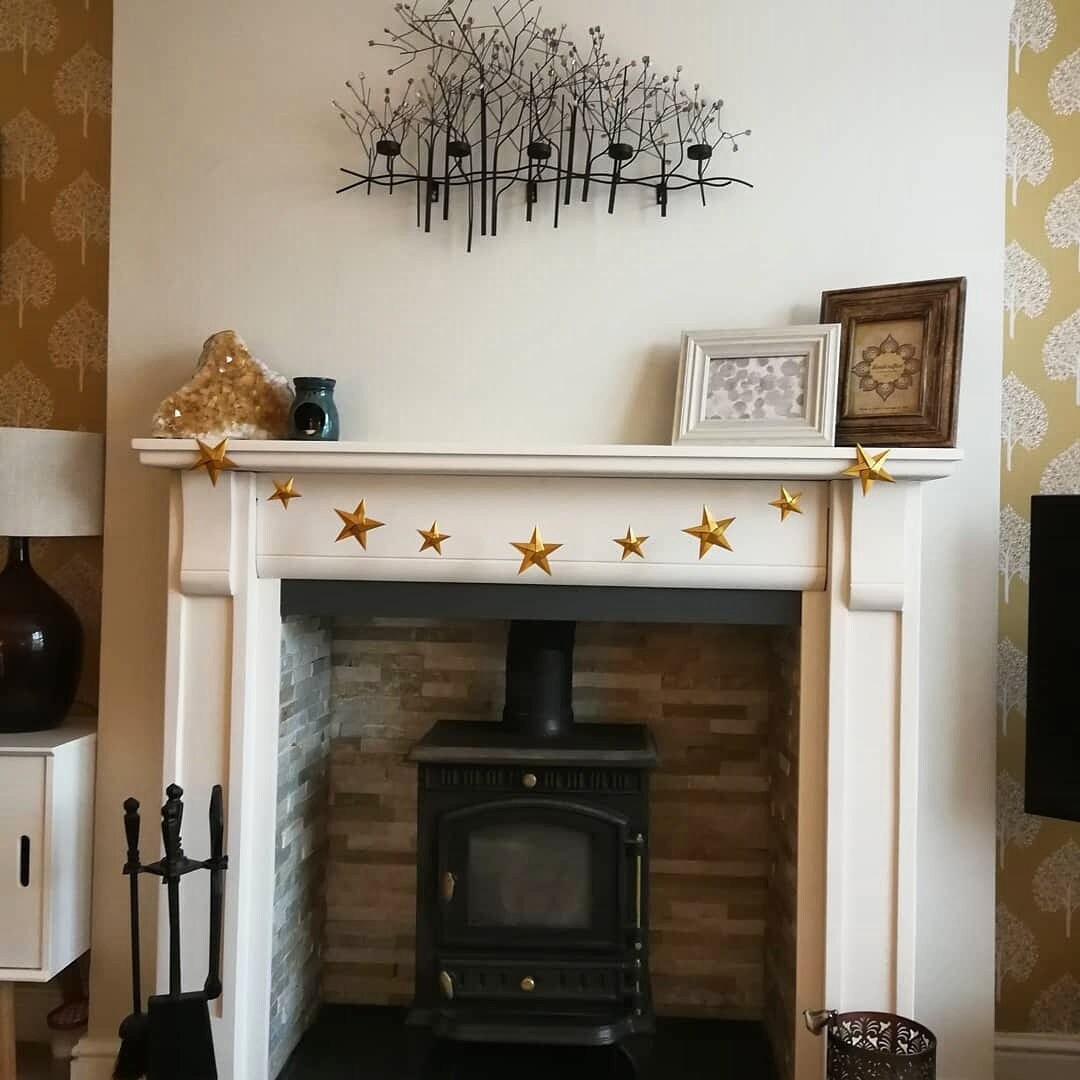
[311, 382]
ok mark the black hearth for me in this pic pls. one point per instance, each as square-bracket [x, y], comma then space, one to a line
[532, 860]
[683, 1049]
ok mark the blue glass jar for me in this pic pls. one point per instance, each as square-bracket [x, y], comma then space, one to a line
[314, 416]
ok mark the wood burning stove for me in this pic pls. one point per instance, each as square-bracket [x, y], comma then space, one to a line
[532, 859]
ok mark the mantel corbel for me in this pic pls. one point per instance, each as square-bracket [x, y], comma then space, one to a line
[880, 538]
[210, 555]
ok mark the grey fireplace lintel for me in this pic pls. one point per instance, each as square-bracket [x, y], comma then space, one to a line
[599, 603]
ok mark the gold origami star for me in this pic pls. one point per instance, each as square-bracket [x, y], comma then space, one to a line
[535, 552]
[284, 492]
[710, 532]
[787, 503]
[433, 538]
[213, 459]
[357, 524]
[870, 468]
[630, 544]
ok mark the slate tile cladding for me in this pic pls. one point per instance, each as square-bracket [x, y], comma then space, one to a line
[305, 733]
[717, 699]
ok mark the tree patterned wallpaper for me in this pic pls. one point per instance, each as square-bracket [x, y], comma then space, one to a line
[1038, 937]
[55, 97]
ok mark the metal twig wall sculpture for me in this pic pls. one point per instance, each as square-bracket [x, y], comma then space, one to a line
[487, 107]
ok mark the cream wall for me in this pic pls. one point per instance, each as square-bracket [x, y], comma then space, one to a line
[877, 154]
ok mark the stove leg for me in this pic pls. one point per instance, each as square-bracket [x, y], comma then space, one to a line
[639, 1051]
[419, 1044]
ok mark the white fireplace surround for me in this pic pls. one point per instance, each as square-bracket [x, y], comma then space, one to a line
[856, 560]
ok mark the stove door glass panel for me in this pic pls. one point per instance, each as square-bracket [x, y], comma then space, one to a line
[532, 873]
[529, 875]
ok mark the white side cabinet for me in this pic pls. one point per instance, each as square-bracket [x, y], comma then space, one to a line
[46, 838]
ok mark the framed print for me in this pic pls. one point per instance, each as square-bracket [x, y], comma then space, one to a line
[900, 362]
[762, 387]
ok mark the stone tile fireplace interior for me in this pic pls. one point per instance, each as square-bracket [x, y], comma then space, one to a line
[501, 906]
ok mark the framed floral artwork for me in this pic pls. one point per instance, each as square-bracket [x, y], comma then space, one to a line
[900, 349]
[760, 387]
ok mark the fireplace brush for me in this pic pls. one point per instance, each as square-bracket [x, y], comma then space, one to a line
[172, 1039]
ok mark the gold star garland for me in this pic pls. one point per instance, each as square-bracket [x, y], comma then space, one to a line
[710, 533]
[213, 459]
[870, 468]
[357, 524]
[630, 544]
[535, 552]
[284, 492]
[433, 539]
[788, 503]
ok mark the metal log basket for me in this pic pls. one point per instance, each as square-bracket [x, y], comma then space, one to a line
[875, 1046]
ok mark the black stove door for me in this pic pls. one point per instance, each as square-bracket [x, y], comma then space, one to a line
[531, 874]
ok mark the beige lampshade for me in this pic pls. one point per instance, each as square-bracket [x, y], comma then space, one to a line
[51, 482]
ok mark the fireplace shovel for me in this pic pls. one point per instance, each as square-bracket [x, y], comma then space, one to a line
[178, 1041]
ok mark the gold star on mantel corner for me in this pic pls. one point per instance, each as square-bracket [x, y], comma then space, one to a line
[284, 492]
[433, 538]
[788, 503]
[535, 552]
[357, 524]
[213, 459]
[710, 533]
[630, 543]
[870, 467]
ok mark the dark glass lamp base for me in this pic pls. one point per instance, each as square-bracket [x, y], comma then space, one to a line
[40, 647]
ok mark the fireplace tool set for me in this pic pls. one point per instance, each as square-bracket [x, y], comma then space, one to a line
[171, 1040]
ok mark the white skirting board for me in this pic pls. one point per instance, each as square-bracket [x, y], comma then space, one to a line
[1036, 1057]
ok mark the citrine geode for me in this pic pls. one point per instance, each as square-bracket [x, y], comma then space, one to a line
[232, 395]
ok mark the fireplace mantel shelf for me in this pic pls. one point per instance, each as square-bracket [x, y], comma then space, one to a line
[780, 463]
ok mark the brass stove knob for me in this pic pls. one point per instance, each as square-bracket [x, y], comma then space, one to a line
[528, 984]
[529, 780]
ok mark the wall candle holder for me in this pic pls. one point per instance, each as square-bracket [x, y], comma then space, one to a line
[512, 102]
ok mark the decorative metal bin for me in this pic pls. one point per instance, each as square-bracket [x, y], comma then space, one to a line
[875, 1046]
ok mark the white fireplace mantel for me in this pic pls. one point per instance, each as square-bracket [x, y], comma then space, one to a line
[855, 559]
[581, 498]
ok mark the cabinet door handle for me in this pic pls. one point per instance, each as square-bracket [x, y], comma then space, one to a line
[24, 861]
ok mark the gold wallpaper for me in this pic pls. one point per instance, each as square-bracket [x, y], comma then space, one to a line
[55, 98]
[1038, 937]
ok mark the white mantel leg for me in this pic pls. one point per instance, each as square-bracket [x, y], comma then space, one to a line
[859, 728]
[873, 747]
[221, 726]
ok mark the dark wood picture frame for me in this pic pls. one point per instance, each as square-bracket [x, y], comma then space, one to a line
[938, 306]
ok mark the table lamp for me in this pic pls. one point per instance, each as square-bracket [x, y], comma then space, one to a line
[51, 484]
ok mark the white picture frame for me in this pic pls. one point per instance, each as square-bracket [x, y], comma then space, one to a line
[717, 402]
